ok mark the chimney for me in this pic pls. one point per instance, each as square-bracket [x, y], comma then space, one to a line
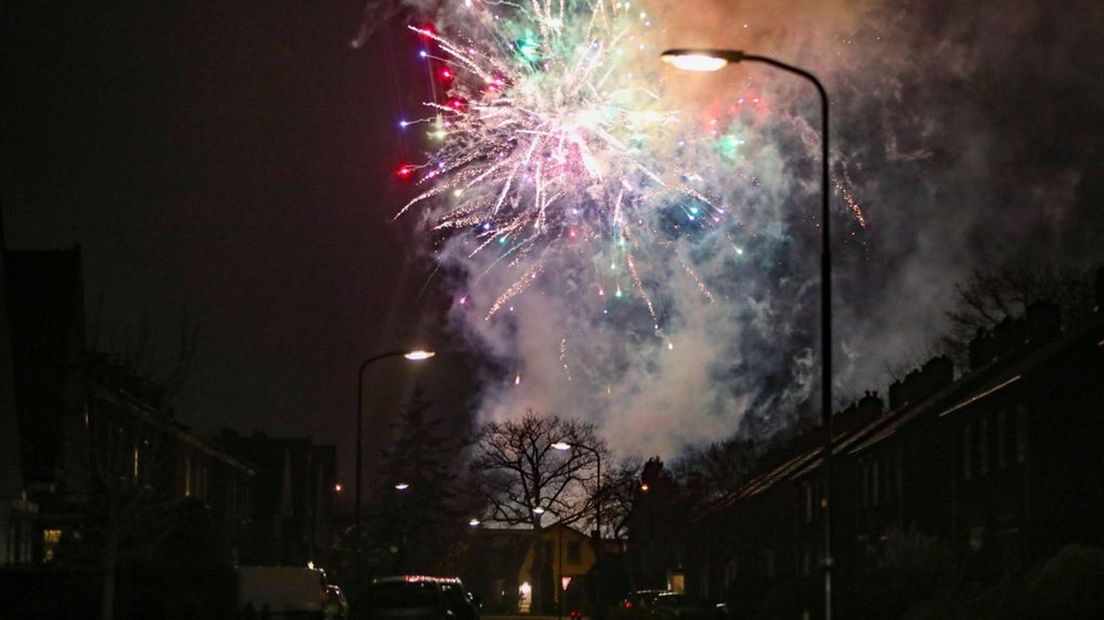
[982, 349]
[936, 374]
[870, 407]
[1044, 321]
[897, 395]
[1010, 335]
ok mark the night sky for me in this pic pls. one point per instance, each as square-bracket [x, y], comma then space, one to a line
[230, 162]
[233, 162]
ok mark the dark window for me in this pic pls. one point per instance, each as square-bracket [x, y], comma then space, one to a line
[983, 447]
[808, 501]
[967, 452]
[1002, 439]
[401, 595]
[1021, 433]
[875, 468]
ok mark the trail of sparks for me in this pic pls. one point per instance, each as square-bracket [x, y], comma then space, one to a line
[546, 134]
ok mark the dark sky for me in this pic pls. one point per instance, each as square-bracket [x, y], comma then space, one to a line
[222, 160]
[233, 162]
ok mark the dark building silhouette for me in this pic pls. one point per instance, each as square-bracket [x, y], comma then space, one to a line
[87, 427]
[294, 498]
[1002, 464]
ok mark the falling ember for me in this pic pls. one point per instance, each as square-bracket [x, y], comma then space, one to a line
[852, 204]
[563, 358]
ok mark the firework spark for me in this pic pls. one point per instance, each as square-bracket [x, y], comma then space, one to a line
[546, 137]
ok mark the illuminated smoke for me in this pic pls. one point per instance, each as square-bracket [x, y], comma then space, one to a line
[642, 245]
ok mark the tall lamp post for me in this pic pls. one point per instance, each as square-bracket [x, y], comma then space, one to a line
[413, 355]
[563, 445]
[713, 60]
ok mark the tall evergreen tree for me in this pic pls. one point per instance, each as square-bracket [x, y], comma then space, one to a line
[419, 515]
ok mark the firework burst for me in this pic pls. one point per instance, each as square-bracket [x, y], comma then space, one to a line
[545, 141]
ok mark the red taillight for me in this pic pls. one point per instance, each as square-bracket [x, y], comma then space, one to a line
[628, 604]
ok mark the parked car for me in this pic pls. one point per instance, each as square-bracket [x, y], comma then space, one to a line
[660, 605]
[337, 608]
[281, 591]
[417, 597]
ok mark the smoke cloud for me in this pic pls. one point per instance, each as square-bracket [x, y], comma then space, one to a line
[966, 134]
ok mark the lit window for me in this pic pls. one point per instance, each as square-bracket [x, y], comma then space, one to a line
[50, 541]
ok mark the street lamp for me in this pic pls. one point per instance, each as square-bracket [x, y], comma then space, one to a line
[713, 60]
[415, 355]
[564, 446]
[401, 486]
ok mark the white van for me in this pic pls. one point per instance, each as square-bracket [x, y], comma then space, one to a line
[281, 592]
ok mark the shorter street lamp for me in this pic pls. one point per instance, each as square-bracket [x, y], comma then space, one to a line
[564, 446]
[414, 355]
[474, 522]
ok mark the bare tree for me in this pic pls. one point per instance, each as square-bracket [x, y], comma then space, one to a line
[523, 478]
[989, 297]
[132, 503]
[137, 362]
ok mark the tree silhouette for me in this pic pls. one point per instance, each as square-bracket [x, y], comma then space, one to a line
[523, 479]
[413, 527]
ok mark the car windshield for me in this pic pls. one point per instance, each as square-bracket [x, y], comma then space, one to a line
[646, 598]
[404, 594]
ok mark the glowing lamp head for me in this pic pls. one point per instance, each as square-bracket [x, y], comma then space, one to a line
[561, 445]
[401, 486]
[700, 60]
[419, 355]
[539, 510]
[474, 522]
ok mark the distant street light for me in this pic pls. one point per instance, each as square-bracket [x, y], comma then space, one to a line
[413, 355]
[401, 486]
[474, 522]
[539, 510]
[564, 446]
[713, 60]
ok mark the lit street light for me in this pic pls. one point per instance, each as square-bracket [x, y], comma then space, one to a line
[401, 486]
[564, 446]
[413, 355]
[713, 60]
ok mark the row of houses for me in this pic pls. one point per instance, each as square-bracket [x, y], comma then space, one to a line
[91, 457]
[1000, 466]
